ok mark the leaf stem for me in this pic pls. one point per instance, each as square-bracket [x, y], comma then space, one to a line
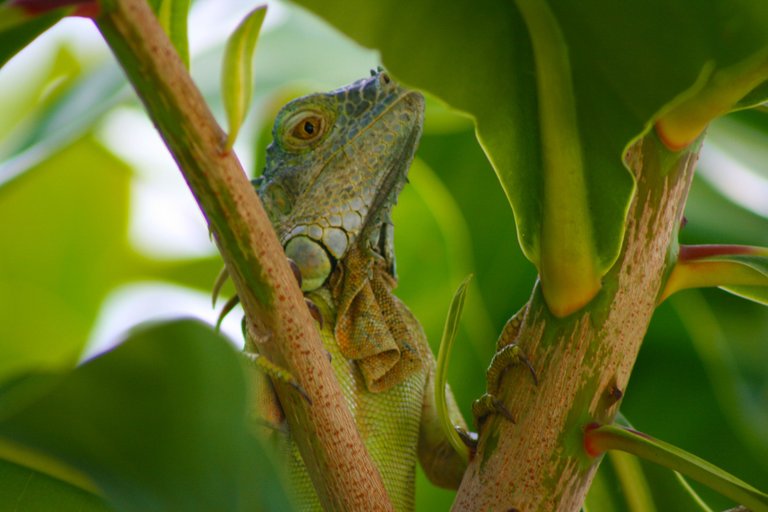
[599, 439]
[727, 266]
[679, 126]
[568, 283]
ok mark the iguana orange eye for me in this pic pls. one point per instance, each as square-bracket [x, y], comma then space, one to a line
[305, 128]
[308, 127]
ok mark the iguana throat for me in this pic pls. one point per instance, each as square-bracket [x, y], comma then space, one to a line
[334, 169]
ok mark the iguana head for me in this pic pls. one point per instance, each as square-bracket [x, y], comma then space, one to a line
[334, 169]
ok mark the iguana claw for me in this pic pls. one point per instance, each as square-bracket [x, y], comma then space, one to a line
[314, 311]
[295, 270]
[502, 361]
[469, 438]
[487, 405]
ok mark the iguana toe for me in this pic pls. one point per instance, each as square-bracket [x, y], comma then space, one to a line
[507, 357]
[314, 311]
[487, 405]
[502, 361]
[468, 437]
[277, 373]
[295, 270]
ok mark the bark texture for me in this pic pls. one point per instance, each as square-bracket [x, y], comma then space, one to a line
[325, 431]
[583, 361]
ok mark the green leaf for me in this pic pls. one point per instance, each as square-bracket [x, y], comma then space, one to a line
[427, 206]
[18, 29]
[740, 85]
[629, 484]
[567, 283]
[759, 264]
[236, 73]
[628, 61]
[692, 493]
[633, 482]
[614, 437]
[172, 15]
[443, 358]
[32, 491]
[741, 270]
[159, 423]
[65, 233]
[52, 112]
[757, 294]
[727, 356]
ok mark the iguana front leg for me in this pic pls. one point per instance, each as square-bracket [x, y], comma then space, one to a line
[250, 352]
[275, 372]
[508, 354]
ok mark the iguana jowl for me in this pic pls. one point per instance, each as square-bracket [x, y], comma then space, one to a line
[333, 172]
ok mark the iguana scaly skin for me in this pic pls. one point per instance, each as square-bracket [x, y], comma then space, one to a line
[332, 175]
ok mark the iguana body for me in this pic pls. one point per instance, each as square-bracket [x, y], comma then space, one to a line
[333, 173]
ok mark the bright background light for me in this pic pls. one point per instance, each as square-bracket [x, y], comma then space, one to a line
[165, 222]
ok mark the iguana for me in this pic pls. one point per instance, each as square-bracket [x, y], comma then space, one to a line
[333, 173]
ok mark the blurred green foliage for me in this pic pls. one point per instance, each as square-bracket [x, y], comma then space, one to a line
[700, 381]
[159, 423]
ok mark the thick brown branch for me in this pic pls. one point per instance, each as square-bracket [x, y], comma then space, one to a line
[324, 431]
[583, 361]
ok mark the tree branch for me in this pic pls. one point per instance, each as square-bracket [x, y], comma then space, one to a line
[583, 361]
[325, 432]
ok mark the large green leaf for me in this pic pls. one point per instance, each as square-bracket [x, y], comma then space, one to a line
[65, 245]
[48, 126]
[159, 423]
[628, 60]
[43, 88]
[31, 491]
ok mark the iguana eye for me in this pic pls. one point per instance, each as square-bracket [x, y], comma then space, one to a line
[305, 128]
[308, 129]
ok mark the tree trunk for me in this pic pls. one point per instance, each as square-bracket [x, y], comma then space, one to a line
[583, 361]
